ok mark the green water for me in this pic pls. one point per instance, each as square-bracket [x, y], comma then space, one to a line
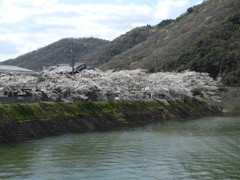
[206, 148]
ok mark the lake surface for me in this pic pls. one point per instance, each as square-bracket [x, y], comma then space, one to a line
[205, 148]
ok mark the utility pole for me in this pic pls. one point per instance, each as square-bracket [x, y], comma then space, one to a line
[155, 64]
[72, 61]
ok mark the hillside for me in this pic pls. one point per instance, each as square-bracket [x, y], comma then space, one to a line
[91, 51]
[120, 45]
[57, 53]
[206, 38]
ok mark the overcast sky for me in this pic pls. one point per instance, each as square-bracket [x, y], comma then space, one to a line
[26, 25]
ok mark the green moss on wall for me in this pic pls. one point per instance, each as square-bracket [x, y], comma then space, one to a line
[20, 122]
[10, 112]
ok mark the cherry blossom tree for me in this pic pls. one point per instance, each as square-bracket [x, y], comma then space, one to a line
[126, 83]
[87, 82]
[16, 83]
[62, 85]
[200, 84]
[129, 83]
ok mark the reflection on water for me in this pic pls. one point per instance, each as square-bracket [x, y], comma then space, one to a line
[206, 148]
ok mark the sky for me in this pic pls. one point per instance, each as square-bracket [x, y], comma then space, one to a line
[27, 25]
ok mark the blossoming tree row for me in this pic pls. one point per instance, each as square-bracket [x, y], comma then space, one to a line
[126, 84]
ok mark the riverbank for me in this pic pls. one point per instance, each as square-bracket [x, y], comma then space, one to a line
[19, 122]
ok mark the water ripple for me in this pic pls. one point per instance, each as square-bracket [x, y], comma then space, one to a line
[206, 148]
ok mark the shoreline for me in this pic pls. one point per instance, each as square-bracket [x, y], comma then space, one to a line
[34, 121]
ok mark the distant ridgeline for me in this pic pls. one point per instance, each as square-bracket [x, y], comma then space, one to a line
[205, 39]
[19, 122]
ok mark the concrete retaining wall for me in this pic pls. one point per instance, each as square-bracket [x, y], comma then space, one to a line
[20, 130]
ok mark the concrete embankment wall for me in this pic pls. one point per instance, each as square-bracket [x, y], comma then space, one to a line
[19, 122]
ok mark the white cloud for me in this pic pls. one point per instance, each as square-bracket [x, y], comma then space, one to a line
[30, 24]
[119, 1]
[199, 2]
[170, 8]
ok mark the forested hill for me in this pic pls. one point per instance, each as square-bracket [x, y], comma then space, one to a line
[205, 38]
[91, 51]
[57, 53]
